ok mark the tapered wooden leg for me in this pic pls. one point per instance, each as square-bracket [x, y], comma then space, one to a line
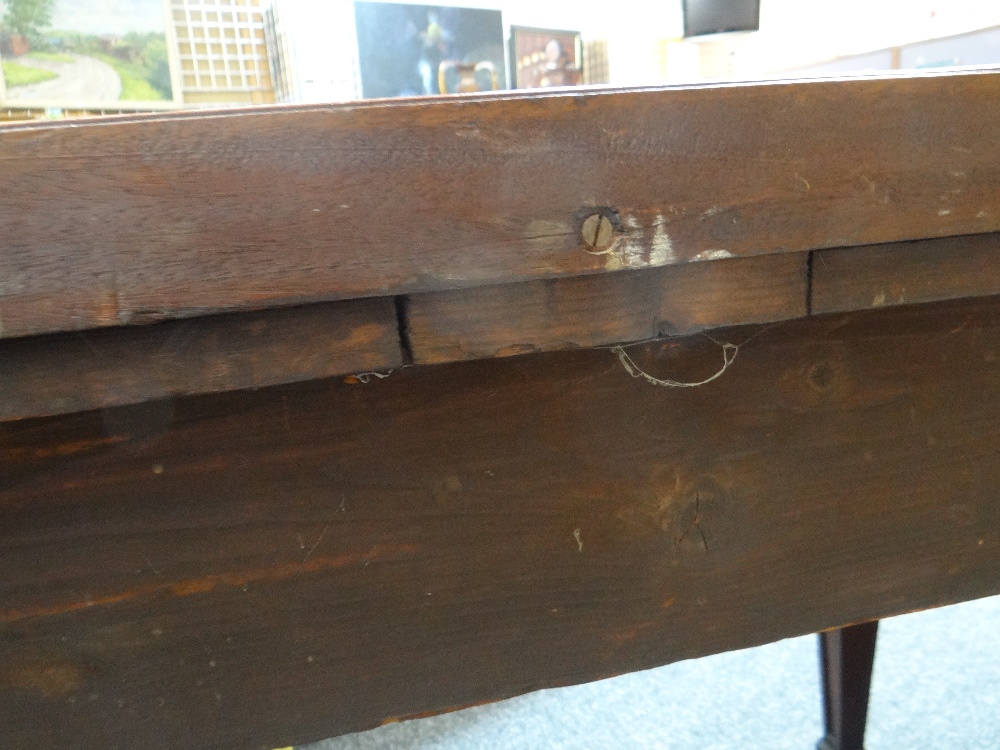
[846, 656]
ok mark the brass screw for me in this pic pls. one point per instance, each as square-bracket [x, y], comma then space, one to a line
[597, 231]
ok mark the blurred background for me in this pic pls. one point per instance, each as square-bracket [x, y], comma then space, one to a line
[64, 58]
[936, 686]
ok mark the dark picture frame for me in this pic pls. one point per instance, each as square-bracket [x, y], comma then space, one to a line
[424, 50]
[535, 61]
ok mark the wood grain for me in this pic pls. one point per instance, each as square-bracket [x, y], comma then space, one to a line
[254, 570]
[63, 373]
[583, 311]
[906, 272]
[167, 216]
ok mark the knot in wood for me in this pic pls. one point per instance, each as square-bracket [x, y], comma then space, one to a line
[821, 376]
[691, 533]
[693, 524]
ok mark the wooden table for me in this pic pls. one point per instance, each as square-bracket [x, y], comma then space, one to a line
[269, 474]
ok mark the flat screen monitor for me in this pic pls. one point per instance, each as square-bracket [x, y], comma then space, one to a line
[719, 16]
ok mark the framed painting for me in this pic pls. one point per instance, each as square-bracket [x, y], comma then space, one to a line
[87, 54]
[420, 50]
[545, 57]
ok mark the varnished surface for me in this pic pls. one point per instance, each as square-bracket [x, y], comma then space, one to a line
[905, 273]
[72, 372]
[180, 215]
[604, 309]
[62, 373]
[253, 570]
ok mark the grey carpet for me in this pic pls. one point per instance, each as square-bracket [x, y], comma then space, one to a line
[936, 687]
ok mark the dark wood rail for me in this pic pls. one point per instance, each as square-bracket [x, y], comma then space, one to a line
[263, 568]
[164, 216]
[69, 372]
[210, 537]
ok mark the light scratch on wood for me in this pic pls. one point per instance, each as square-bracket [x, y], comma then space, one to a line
[313, 548]
[152, 567]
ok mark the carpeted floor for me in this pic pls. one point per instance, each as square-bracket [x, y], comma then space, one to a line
[936, 687]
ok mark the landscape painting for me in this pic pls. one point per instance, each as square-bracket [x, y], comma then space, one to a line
[85, 54]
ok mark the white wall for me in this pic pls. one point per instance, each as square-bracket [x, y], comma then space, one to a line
[793, 33]
[799, 32]
[324, 46]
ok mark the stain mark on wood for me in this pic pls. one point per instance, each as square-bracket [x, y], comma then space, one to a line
[208, 583]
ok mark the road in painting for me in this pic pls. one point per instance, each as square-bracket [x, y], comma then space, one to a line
[68, 53]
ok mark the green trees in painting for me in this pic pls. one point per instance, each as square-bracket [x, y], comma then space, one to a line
[27, 18]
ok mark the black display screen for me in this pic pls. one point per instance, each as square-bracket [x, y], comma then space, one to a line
[718, 16]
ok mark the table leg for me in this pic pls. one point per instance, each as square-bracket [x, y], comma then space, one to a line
[846, 655]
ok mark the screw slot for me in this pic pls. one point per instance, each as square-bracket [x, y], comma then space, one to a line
[597, 231]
